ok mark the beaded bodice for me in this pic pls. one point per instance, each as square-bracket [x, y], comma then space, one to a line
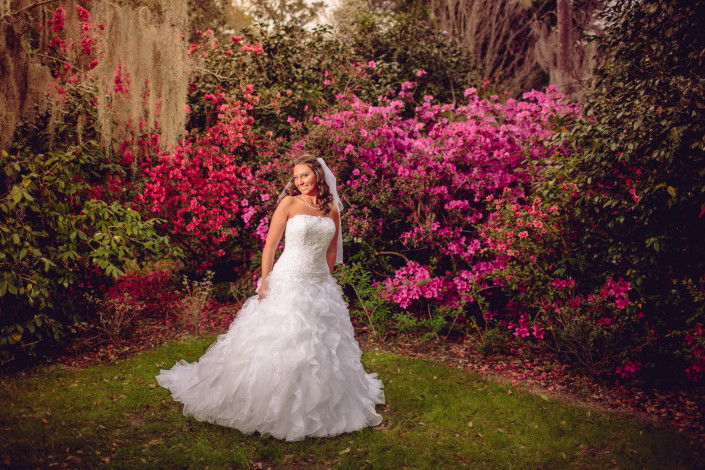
[306, 240]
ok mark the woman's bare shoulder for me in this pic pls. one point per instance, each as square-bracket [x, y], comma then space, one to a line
[287, 201]
[284, 207]
[334, 212]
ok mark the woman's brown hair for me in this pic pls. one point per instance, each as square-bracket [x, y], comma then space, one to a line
[325, 199]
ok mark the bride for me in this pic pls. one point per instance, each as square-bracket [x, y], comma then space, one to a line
[289, 365]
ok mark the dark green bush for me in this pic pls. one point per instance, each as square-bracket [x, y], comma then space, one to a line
[403, 43]
[59, 242]
[299, 72]
[639, 163]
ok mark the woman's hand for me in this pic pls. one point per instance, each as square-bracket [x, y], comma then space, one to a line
[261, 292]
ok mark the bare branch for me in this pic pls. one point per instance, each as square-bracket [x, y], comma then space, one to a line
[497, 33]
[30, 7]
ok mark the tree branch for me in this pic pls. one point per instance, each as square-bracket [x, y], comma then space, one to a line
[29, 7]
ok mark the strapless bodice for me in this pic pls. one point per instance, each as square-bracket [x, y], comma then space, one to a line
[306, 239]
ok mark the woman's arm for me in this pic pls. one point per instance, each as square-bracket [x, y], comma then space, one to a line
[274, 236]
[332, 250]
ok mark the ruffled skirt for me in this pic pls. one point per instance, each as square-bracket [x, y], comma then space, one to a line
[289, 366]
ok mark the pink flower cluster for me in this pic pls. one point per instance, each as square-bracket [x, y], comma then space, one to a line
[519, 226]
[73, 53]
[629, 369]
[58, 22]
[695, 339]
[526, 327]
[252, 48]
[618, 290]
[563, 283]
[413, 282]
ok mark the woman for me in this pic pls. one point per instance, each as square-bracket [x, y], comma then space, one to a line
[289, 366]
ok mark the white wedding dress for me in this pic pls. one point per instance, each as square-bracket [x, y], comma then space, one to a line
[289, 365]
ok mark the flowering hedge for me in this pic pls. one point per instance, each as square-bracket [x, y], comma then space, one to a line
[415, 186]
[415, 190]
[441, 207]
[437, 207]
[464, 216]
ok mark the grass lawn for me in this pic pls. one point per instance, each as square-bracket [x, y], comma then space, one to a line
[436, 417]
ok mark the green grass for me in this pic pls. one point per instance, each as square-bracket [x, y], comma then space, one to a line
[435, 417]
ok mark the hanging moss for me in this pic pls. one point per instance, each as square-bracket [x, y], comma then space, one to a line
[148, 51]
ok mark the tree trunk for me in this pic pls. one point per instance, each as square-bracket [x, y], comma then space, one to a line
[13, 82]
[564, 13]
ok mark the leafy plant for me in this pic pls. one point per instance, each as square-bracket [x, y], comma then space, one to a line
[297, 73]
[599, 329]
[116, 314]
[493, 340]
[57, 241]
[368, 302]
[638, 161]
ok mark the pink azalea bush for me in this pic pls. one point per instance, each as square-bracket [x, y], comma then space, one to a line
[215, 205]
[600, 329]
[415, 187]
[442, 200]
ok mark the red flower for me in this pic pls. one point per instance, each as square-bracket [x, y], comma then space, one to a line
[58, 25]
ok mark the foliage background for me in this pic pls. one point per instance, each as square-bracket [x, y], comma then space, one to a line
[442, 169]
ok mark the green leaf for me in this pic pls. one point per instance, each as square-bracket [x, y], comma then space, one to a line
[16, 194]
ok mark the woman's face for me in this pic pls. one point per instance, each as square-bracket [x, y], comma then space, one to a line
[305, 180]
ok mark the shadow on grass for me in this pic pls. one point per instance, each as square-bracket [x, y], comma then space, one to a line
[115, 416]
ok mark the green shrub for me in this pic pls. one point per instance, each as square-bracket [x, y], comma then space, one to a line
[639, 163]
[593, 325]
[299, 72]
[58, 242]
[366, 298]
